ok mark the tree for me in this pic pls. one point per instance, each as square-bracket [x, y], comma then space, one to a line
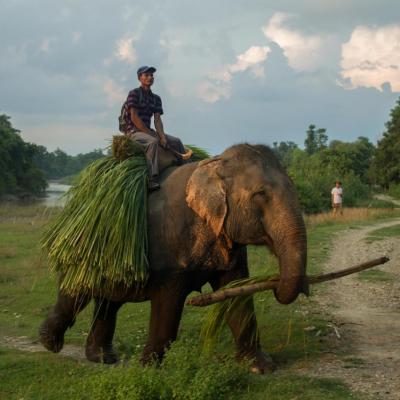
[345, 157]
[386, 164]
[18, 170]
[284, 152]
[316, 140]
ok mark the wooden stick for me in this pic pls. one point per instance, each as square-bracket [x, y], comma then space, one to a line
[272, 283]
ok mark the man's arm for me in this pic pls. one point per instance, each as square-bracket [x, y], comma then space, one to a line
[160, 129]
[138, 121]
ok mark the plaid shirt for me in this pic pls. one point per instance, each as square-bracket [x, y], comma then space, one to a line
[146, 105]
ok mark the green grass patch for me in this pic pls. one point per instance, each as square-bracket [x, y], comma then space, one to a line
[375, 275]
[374, 203]
[185, 374]
[380, 234]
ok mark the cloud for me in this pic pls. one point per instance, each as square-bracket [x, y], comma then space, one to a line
[371, 58]
[76, 36]
[218, 85]
[45, 45]
[115, 93]
[125, 50]
[302, 52]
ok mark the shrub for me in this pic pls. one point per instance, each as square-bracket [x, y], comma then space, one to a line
[186, 374]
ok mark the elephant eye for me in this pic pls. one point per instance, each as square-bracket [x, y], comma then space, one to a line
[261, 193]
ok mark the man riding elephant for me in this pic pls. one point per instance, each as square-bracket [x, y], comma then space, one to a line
[141, 105]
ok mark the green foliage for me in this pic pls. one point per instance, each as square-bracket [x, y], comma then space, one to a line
[99, 240]
[18, 171]
[198, 153]
[394, 190]
[315, 169]
[186, 374]
[58, 164]
[344, 157]
[316, 140]
[284, 152]
[313, 181]
[386, 164]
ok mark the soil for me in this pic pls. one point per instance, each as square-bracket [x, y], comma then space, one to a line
[366, 317]
[23, 343]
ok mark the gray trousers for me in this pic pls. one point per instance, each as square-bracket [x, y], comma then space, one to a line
[150, 142]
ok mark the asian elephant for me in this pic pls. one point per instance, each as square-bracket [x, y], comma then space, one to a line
[199, 225]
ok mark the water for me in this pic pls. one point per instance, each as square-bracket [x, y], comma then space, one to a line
[54, 195]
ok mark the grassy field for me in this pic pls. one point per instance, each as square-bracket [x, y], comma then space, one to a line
[27, 291]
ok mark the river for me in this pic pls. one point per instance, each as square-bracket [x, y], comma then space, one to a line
[54, 195]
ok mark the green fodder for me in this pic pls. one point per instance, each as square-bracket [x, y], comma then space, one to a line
[123, 148]
[219, 314]
[99, 240]
[198, 153]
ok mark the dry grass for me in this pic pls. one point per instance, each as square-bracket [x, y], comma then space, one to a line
[350, 215]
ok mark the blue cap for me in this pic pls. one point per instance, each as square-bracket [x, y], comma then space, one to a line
[144, 69]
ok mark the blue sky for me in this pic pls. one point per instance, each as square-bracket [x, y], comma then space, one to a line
[227, 71]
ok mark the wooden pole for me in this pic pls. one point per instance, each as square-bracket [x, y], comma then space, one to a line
[272, 283]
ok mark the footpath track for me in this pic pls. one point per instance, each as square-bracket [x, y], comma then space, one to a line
[366, 316]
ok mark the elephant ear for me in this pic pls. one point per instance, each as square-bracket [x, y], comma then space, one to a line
[206, 194]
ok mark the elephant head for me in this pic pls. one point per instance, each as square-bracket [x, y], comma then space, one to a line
[247, 196]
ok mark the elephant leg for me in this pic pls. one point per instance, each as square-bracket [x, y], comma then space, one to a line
[243, 324]
[99, 346]
[166, 311]
[61, 317]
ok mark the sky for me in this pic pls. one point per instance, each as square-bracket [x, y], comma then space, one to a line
[228, 71]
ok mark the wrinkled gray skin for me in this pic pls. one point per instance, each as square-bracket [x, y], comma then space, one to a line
[200, 223]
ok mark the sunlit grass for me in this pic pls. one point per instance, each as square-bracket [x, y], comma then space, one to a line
[350, 215]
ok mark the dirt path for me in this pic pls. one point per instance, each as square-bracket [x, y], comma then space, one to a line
[23, 343]
[366, 314]
[387, 198]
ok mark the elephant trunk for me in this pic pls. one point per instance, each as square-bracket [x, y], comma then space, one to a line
[291, 250]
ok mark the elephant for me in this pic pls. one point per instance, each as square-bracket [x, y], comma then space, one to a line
[199, 225]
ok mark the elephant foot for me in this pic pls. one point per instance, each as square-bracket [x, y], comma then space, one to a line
[103, 355]
[151, 357]
[51, 338]
[260, 362]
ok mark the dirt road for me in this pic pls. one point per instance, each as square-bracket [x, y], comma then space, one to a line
[366, 316]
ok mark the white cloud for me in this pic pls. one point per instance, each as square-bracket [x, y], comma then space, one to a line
[213, 91]
[169, 44]
[115, 93]
[218, 85]
[45, 45]
[371, 58]
[125, 50]
[302, 52]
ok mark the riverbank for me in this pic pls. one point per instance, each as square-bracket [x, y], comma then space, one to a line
[52, 197]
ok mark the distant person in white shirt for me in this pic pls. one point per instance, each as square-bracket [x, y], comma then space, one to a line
[337, 197]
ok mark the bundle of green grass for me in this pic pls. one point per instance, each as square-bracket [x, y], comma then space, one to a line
[99, 240]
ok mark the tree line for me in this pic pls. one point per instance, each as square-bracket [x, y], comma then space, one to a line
[25, 167]
[360, 165]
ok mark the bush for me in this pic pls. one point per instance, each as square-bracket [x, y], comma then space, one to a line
[394, 191]
[314, 180]
[186, 374]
